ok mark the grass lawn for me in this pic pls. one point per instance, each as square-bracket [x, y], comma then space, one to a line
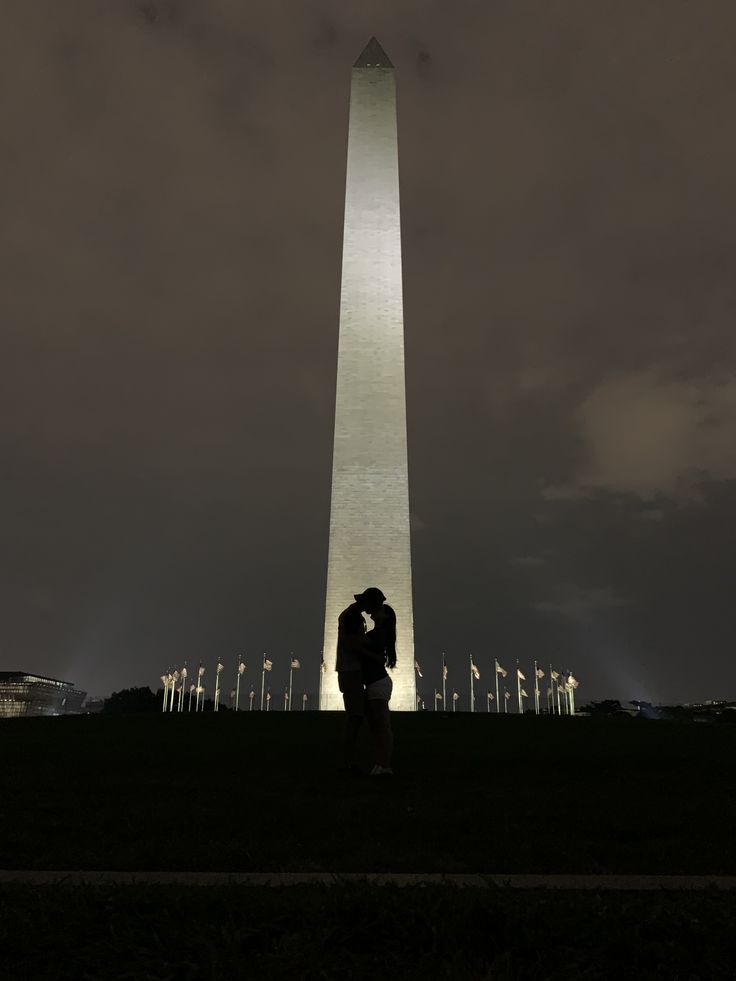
[158, 933]
[259, 792]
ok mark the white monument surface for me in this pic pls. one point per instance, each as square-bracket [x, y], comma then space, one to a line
[369, 514]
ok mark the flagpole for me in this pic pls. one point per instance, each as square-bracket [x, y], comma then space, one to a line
[444, 683]
[436, 699]
[536, 689]
[304, 702]
[453, 699]
[237, 684]
[165, 682]
[551, 693]
[498, 704]
[472, 691]
[291, 672]
[505, 700]
[557, 686]
[263, 681]
[322, 670]
[518, 685]
[173, 686]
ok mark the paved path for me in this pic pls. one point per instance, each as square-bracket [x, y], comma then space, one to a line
[598, 882]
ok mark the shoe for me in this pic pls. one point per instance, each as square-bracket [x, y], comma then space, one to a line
[382, 771]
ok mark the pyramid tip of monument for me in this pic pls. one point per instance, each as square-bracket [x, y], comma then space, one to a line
[373, 56]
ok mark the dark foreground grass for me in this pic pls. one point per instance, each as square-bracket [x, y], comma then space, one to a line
[259, 792]
[161, 933]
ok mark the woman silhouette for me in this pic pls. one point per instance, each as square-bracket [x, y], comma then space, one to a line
[381, 644]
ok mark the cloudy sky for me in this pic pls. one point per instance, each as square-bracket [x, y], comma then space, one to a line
[172, 194]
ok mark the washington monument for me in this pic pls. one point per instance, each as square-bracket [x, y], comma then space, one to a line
[369, 514]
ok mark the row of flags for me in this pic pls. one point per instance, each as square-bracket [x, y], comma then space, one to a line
[175, 687]
[560, 693]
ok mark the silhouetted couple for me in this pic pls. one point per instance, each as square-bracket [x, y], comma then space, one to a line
[362, 658]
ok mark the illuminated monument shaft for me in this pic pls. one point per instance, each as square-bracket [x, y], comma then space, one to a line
[369, 516]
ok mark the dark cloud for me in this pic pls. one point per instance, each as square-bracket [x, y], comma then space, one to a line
[169, 290]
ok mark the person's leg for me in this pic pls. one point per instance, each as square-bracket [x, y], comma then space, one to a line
[352, 731]
[353, 696]
[379, 720]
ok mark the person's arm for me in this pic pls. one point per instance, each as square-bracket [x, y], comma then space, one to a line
[354, 637]
[358, 645]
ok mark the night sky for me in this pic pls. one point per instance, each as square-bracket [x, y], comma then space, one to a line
[172, 195]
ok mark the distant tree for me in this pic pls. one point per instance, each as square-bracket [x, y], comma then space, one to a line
[609, 706]
[133, 700]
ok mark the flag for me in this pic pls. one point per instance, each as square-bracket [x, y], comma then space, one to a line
[267, 665]
[476, 672]
[184, 672]
[444, 668]
[322, 667]
[519, 675]
[500, 670]
[220, 666]
[540, 673]
[490, 696]
[200, 689]
[201, 671]
[418, 669]
[304, 697]
[573, 682]
[550, 692]
[295, 662]
[455, 696]
[438, 696]
[251, 694]
[175, 675]
[268, 695]
[507, 695]
[524, 693]
[241, 667]
[165, 680]
[554, 675]
[192, 688]
[232, 694]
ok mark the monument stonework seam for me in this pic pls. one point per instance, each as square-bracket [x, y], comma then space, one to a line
[369, 513]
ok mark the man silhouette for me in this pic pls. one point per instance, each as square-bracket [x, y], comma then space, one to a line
[351, 645]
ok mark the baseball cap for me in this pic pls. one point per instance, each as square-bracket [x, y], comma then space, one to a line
[372, 593]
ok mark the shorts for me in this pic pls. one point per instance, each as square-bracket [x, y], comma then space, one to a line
[380, 690]
[350, 684]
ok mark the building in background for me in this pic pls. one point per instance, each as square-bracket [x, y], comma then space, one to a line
[369, 514]
[23, 695]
